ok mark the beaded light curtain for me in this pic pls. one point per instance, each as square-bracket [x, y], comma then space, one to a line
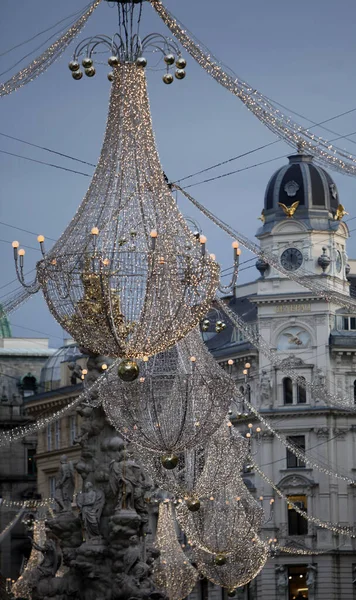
[180, 399]
[201, 471]
[128, 278]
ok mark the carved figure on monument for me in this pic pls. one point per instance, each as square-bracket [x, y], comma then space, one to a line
[122, 481]
[76, 373]
[282, 579]
[91, 503]
[265, 390]
[65, 485]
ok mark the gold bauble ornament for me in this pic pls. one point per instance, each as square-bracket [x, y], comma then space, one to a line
[90, 72]
[220, 560]
[169, 59]
[87, 62]
[181, 63]
[193, 505]
[231, 593]
[111, 76]
[77, 75]
[74, 65]
[141, 61]
[169, 461]
[180, 74]
[128, 370]
[113, 61]
[168, 78]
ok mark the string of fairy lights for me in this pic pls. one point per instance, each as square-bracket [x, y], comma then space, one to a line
[41, 63]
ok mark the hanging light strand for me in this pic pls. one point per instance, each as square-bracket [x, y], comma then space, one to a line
[262, 107]
[41, 63]
[303, 277]
[334, 527]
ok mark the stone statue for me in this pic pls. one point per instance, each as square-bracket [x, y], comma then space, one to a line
[65, 485]
[311, 577]
[318, 385]
[91, 503]
[282, 580]
[122, 481]
[265, 390]
[76, 373]
[50, 563]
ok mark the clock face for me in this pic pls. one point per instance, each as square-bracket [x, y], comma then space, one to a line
[293, 338]
[291, 259]
[338, 261]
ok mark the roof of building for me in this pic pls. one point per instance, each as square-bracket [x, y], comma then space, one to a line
[227, 342]
[5, 328]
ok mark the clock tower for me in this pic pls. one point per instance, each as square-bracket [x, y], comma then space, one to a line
[303, 227]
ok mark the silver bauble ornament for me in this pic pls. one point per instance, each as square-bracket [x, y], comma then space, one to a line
[113, 61]
[90, 72]
[141, 61]
[180, 74]
[181, 63]
[77, 75]
[168, 78]
[169, 461]
[128, 370]
[169, 59]
[111, 76]
[87, 62]
[74, 65]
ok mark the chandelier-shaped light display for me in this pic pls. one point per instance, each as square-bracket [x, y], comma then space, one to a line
[225, 520]
[240, 567]
[173, 573]
[177, 403]
[22, 587]
[127, 277]
[200, 471]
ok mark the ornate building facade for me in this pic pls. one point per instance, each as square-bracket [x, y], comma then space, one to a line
[21, 360]
[318, 339]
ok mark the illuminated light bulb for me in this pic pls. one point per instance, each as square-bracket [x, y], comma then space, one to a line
[235, 244]
[261, 498]
[84, 371]
[193, 359]
[211, 498]
[153, 233]
[22, 252]
[106, 262]
[197, 424]
[247, 365]
[53, 262]
[230, 362]
[245, 371]
[248, 435]
[239, 252]
[229, 424]
[82, 377]
[202, 239]
[212, 256]
[258, 429]
[142, 379]
[40, 239]
[250, 425]
[238, 498]
[145, 359]
[95, 231]
[104, 367]
[271, 502]
[161, 260]
[15, 244]
[275, 540]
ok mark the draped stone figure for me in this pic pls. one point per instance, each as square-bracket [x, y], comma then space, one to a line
[265, 390]
[91, 503]
[64, 485]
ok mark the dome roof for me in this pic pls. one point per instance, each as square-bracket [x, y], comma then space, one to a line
[51, 370]
[304, 182]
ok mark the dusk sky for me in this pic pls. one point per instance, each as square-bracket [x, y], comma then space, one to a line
[300, 54]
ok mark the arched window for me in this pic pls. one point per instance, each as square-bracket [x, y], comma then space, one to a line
[301, 393]
[287, 390]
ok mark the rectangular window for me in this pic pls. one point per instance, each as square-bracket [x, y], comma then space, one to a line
[73, 428]
[52, 487]
[31, 462]
[293, 462]
[57, 431]
[297, 525]
[49, 437]
[352, 322]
